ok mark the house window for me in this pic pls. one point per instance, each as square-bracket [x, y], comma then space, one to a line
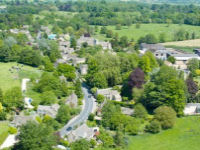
[162, 54]
[156, 54]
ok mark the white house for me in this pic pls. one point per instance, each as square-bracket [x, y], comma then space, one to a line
[192, 109]
[24, 84]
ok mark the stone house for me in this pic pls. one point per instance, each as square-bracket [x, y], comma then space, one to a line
[72, 100]
[158, 50]
[83, 69]
[83, 131]
[20, 120]
[48, 110]
[109, 94]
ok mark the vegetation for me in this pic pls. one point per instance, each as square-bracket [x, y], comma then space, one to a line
[185, 128]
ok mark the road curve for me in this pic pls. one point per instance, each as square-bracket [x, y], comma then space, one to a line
[83, 116]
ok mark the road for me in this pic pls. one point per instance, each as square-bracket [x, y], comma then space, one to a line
[83, 116]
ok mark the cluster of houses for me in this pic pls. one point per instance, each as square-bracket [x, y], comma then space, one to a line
[160, 52]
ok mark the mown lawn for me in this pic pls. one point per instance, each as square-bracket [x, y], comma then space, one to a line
[10, 77]
[156, 29]
[3, 131]
[184, 136]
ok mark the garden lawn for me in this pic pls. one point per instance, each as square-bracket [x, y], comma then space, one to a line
[184, 136]
[156, 29]
[3, 131]
[12, 77]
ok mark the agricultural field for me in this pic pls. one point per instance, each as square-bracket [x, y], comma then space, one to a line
[3, 131]
[156, 29]
[188, 43]
[12, 74]
[184, 136]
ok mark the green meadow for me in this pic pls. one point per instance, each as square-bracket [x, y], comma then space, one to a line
[184, 136]
[156, 29]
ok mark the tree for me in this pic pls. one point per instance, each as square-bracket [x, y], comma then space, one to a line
[154, 127]
[179, 35]
[103, 30]
[35, 136]
[73, 43]
[48, 66]
[119, 138]
[13, 99]
[91, 117]
[162, 38]
[193, 65]
[171, 59]
[118, 27]
[150, 39]
[144, 64]
[48, 97]
[166, 116]
[136, 79]
[67, 70]
[100, 98]
[106, 139]
[165, 88]
[81, 144]
[1, 96]
[140, 111]
[78, 90]
[63, 114]
[192, 88]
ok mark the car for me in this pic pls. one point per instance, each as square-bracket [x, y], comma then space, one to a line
[69, 129]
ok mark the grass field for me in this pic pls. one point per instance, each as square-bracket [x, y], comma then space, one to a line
[184, 136]
[12, 77]
[156, 29]
[3, 131]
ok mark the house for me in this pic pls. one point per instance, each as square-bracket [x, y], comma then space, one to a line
[52, 36]
[72, 100]
[158, 50]
[197, 51]
[15, 31]
[48, 110]
[182, 60]
[83, 131]
[104, 45]
[192, 109]
[46, 29]
[83, 69]
[86, 39]
[127, 111]
[109, 94]
[78, 60]
[20, 120]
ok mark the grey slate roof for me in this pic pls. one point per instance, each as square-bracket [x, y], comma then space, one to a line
[152, 47]
[72, 100]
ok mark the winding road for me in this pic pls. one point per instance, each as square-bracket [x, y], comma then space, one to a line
[83, 116]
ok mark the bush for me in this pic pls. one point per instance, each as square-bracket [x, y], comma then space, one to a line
[140, 111]
[166, 116]
[100, 98]
[154, 127]
[171, 59]
[12, 130]
[91, 117]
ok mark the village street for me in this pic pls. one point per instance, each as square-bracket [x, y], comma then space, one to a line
[88, 107]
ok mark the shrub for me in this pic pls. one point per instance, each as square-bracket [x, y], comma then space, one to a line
[91, 117]
[12, 130]
[154, 127]
[140, 111]
[166, 116]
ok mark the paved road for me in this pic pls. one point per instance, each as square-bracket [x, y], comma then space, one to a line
[83, 116]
